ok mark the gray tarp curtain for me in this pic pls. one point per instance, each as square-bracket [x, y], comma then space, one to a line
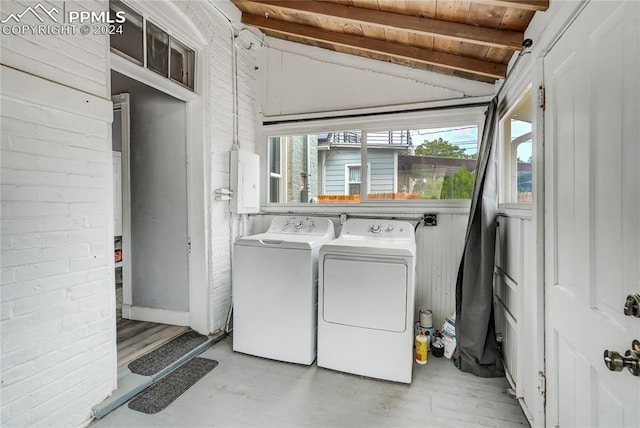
[478, 351]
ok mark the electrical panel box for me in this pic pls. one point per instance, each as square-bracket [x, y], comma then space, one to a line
[245, 182]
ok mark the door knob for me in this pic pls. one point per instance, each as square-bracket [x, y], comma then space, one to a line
[632, 305]
[631, 359]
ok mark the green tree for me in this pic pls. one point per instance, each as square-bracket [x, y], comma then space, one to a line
[442, 148]
[459, 185]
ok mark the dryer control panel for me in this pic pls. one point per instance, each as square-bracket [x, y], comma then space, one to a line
[384, 228]
[298, 224]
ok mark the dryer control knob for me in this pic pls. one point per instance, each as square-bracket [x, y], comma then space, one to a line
[375, 228]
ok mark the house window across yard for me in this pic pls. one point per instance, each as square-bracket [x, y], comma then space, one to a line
[517, 149]
[353, 179]
[408, 164]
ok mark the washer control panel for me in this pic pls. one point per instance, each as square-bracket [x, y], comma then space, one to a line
[307, 225]
[383, 228]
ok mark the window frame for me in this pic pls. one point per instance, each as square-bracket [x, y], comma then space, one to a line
[432, 115]
[172, 37]
[507, 154]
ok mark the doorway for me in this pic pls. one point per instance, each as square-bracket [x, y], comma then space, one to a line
[151, 230]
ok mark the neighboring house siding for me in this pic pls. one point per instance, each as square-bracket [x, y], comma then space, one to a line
[381, 163]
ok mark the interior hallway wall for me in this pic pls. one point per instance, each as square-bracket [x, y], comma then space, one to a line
[159, 239]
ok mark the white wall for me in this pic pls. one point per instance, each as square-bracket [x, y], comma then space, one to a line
[219, 135]
[58, 300]
[297, 79]
[76, 61]
[58, 303]
[57, 297]
[515, 285]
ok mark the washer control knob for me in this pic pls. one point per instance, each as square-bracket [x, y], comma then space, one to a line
[297, 224]
[390, 228]
[375, 228]
[311, 224]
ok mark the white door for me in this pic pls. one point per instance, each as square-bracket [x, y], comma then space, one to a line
[592, 223]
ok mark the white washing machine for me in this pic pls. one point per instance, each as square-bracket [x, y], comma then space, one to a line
[366, 297]
[275, 289]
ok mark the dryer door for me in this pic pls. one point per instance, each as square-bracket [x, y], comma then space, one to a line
[365, 293]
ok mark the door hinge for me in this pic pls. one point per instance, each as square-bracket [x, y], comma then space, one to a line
[541, 97]
[542, 385]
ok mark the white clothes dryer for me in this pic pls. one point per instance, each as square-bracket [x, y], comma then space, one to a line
[366, 298]
[275, 284]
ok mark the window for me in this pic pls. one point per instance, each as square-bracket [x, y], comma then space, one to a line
[415, 163]
[182, 63]
[517, 147]
[274, 170]
[128, 44]
[423, 163]
[353, 180]
[162, 53]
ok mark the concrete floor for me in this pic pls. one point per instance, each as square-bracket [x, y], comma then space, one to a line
[250, 391]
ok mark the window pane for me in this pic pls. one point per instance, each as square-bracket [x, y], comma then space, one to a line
[274, 151]
[129, 43]
[422, 163]
[182, 63]
[313, 167]
[157, 50]
[274, 189]
[524, 172]
[517, 161]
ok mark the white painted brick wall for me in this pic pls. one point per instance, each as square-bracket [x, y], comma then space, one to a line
[76, 61]
[57, 303]
[219, 105]
[57, 294]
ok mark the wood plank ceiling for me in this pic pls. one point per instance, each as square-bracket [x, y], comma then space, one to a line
[470, 39]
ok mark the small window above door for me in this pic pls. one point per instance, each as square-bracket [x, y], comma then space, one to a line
[162, 53]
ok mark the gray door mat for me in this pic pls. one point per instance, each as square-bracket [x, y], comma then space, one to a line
[161, 394]
[156, 360]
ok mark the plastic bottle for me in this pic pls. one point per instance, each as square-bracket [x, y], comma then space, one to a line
[421, 348]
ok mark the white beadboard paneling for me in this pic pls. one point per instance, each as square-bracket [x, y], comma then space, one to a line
[439, 250]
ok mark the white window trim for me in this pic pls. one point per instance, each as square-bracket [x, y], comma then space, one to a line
[508, 157]
[391, 121]
[346, 177]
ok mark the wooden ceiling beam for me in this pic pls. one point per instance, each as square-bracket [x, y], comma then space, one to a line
[412, 24]
[534, 5]
[456, 62]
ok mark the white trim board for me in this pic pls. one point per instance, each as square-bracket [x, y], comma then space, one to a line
[155, 315]
[23, 86]
[463, 86]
